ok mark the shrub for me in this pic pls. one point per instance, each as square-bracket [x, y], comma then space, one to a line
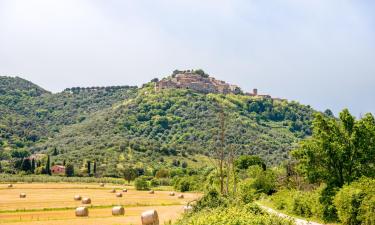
[234, 215]
[141, 183]
[246, 191]
[355, 203]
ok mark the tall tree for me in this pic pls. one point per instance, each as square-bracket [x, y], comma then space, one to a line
[69, 170]
[94, 168]
[33, 165]
[130, 174]
[48, 164]
[340, 151]
[26, 165]
[89, 168]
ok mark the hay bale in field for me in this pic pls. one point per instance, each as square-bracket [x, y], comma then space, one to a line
[151, 192]
[22, 195]
[77, 198]
[119, 195]
[10, 185]
[101, 184]
[118, 211]
[180, 196]
[150, 218]
[82, 211]
[86, 201]
[124, 190]
[113, 191]
[172, 193]
[188, 208]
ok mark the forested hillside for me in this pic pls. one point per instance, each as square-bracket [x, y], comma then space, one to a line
[117, 126]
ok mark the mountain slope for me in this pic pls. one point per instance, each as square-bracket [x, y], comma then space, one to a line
[29, 114]
[175, 123]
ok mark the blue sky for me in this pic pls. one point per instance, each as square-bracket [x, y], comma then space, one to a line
[317, 52]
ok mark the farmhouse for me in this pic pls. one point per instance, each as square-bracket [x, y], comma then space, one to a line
[58, 169]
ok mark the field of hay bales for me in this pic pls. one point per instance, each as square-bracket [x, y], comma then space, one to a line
[53, 203]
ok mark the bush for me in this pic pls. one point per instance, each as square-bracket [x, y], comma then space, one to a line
[141, 183]
[304, 204]
[246, 191]
[355, 203]
[235, 215]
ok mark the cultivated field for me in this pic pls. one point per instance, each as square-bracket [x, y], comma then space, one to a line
[53, 203]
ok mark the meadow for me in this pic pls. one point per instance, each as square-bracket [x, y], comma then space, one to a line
[53, 203]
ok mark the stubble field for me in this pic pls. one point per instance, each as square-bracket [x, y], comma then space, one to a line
[53, 204]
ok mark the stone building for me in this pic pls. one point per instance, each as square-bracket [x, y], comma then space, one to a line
[190, 80]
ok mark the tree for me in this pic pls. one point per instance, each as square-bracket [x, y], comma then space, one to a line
[33, 166]
[141, 183]
[69, 170]
[130, 174]
[26, 165]
[47, 168]
[89, 168]
[339, 152]
[245, 161]
[55, 152]
[95, 168]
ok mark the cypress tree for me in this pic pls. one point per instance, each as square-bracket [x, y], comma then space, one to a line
[33, 165]
[48, 169]
[94, 168]
[88, 168]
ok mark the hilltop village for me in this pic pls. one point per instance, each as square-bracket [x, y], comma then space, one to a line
[199, 81]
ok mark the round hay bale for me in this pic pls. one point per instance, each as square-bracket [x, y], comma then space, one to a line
[10, 185]
[118, 211]
[77, 198]
[124, 190]
[172, 194]
[82, 211]
[119, 195]
[150, 218]
[22, 195]
[151, 192]
[86, 201]
[188, 208]
[180, 196]
[113, 191]
[101, 184]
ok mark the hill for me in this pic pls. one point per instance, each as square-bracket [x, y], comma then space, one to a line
[148, 127]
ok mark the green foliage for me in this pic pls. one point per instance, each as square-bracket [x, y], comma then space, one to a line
[187, 183]
[339, 152]
[212, 199]
[263, 181]
[7, 178]
[141, 183]
[130, 174]
[69, 170]
[243, 162]
[234, 215]
[300, 203]
[355, 203]
[126, 125]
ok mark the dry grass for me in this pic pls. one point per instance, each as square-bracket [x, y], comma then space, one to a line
[47, 204]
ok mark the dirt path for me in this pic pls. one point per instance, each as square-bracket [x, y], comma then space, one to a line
[298, 221]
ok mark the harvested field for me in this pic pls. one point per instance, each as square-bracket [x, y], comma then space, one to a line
[54, 204]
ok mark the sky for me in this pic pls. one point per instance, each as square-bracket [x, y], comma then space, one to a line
[317, 52]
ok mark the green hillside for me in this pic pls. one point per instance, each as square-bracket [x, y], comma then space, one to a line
[123, 126]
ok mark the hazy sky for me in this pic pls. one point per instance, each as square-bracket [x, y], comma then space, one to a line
[318, 52]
